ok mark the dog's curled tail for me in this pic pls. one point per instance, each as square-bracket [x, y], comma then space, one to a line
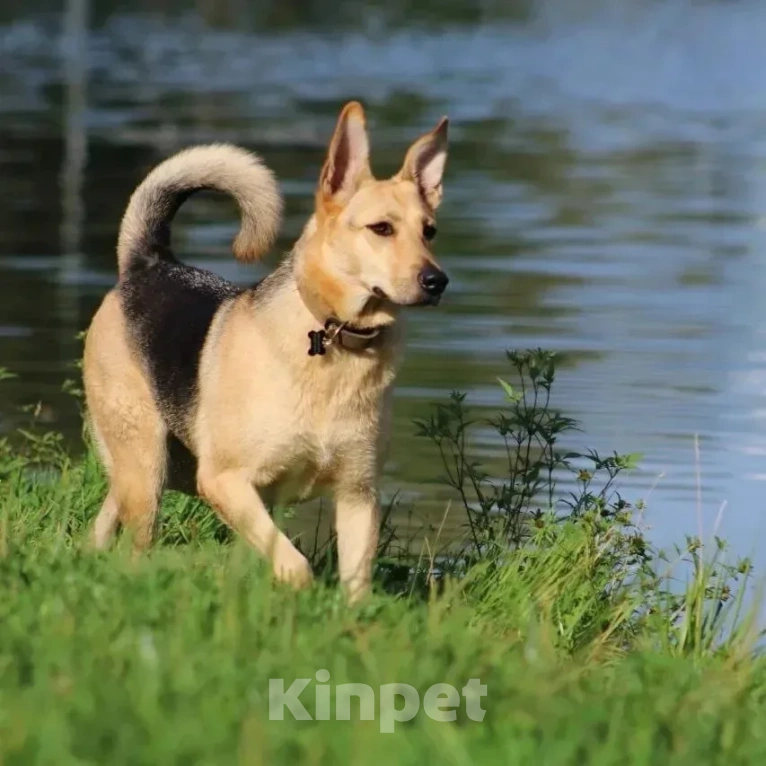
[145, 229]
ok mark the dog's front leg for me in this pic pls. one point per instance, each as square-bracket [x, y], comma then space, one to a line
[235, 500]
[356, 521]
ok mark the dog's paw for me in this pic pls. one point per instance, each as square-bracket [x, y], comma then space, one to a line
[292, 567]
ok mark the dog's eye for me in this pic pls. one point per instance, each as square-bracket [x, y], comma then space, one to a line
[382, 229]
[429, 232]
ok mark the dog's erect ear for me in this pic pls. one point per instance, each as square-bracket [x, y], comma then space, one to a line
[425, 161]
[348, 159]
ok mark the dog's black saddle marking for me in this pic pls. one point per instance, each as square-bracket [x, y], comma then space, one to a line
[169, 309]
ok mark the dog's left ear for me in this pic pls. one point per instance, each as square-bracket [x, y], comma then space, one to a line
[348, 159]
[425, 161]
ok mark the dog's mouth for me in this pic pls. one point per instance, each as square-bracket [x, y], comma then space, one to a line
[427, 300]
[424, 300]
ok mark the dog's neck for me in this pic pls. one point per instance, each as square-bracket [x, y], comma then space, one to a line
[305, 317]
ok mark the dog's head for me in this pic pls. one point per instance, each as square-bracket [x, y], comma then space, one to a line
[367, 248]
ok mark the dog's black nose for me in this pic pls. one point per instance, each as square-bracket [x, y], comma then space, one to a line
[433, 281]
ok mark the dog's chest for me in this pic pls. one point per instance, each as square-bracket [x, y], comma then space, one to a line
[321, 431]
[319, 451]
[304, 469]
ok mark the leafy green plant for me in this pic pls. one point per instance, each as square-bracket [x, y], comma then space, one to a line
[577, 560]
[500, 509]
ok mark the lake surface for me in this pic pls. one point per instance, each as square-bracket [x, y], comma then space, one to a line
[605, 198]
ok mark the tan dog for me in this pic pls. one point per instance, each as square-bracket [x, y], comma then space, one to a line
[276, 392]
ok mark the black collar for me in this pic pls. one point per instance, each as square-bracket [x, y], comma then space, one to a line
[342, 334]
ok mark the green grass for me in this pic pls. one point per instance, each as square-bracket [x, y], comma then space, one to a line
[594, 648]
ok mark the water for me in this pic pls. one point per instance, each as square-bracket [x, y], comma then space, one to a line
[605, 197]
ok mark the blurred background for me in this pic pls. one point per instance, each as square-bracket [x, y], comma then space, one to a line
[605, 196]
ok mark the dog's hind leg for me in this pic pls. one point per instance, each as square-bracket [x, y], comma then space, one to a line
[235, 500]
[136, 468]
[128, 430]
[106, 523]
[136, 485]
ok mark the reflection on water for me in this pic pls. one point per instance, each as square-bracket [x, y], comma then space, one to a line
[604, 198]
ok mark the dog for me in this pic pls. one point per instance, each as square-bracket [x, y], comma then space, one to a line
[273, 393]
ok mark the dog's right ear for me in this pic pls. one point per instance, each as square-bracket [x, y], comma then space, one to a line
[348, 159]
